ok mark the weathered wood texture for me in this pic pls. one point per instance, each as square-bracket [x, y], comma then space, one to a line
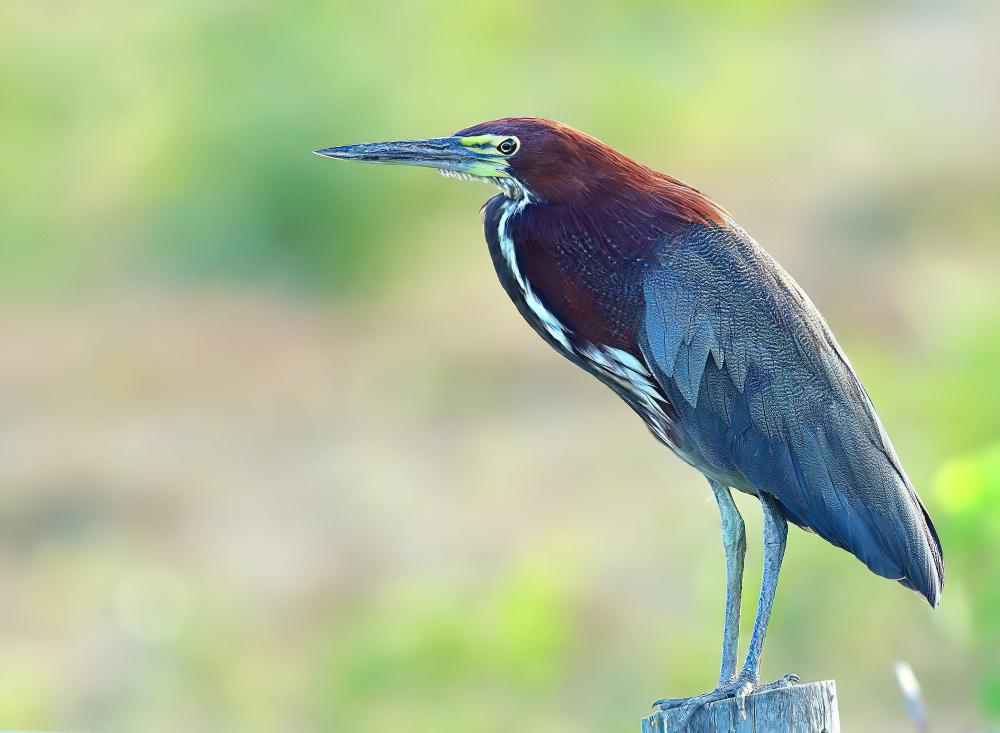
[797, 709]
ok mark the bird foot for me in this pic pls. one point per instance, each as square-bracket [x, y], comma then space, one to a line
[740, 687]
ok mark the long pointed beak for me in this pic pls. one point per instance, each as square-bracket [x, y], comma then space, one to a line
[444, 153]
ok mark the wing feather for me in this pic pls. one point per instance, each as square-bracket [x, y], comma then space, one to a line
[763, 391]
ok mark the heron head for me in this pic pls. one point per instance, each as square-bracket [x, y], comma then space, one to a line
[523, 156]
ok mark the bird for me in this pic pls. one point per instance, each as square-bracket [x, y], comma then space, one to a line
[651, 286]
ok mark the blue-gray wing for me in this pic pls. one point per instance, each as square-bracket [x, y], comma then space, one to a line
[764, 394]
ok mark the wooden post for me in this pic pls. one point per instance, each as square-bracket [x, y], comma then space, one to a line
[807, 708]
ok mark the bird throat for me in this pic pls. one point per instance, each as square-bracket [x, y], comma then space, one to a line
[509, 187]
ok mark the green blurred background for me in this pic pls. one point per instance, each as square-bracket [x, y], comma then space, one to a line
[277, 453]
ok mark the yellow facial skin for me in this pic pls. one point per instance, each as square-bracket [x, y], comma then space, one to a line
[494, 163]
[480, 141]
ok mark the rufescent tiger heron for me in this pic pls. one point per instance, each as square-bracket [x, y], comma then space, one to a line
[650, 286]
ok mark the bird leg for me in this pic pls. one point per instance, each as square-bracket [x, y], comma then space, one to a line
[775, 534]
[748, 680]
[734, 545]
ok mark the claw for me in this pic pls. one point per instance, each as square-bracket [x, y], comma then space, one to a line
[741, 701]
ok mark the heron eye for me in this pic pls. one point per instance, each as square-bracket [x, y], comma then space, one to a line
[507, 146]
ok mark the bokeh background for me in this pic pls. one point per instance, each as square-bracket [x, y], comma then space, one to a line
[276, 453]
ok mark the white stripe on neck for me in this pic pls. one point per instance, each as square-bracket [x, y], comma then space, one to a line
[552, 325]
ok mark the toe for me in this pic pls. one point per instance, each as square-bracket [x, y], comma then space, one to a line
[669, 703]
[672, 703]
[787, 681]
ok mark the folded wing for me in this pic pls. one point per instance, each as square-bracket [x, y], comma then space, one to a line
[763, 391]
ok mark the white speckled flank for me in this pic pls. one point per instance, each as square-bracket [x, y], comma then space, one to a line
[630, 373]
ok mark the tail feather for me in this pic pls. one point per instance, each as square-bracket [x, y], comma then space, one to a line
[852, 493]
[930, 582]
